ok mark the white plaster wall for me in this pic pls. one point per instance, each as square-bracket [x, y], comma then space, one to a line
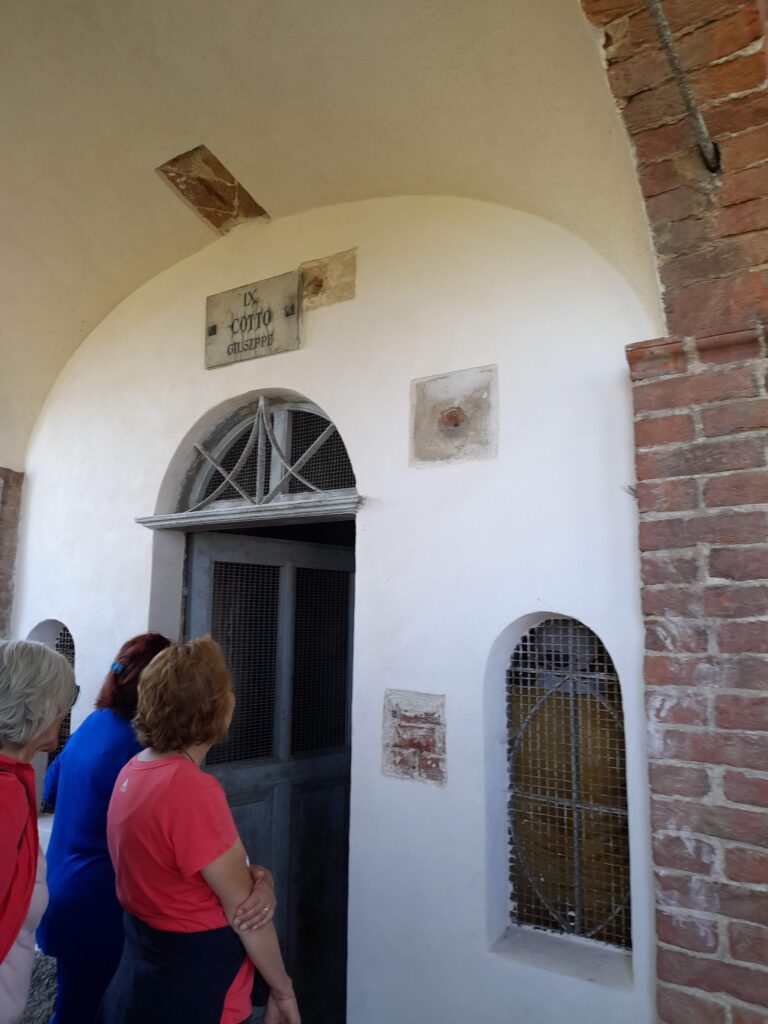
[501, 100]
[448, 556]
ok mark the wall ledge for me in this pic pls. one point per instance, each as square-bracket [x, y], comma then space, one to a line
[571, 955]
[659, 357]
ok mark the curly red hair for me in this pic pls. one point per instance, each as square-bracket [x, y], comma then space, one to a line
[119, 691]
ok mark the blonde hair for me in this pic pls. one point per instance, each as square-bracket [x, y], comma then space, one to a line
[184, 697]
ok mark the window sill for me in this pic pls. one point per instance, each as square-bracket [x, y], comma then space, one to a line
[567, 954]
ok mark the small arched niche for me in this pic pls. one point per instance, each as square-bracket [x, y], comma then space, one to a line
[558, 834]
[57, 636]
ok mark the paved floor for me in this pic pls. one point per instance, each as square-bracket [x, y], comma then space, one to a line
[42, 991]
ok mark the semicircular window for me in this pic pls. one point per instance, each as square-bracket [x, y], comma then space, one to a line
[278, 452]
[568, 823]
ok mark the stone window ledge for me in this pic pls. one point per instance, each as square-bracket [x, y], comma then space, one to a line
[567, 955]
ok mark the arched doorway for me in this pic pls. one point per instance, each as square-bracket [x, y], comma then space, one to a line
[266, 507]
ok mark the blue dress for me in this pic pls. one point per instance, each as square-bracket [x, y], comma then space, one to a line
[83, 926]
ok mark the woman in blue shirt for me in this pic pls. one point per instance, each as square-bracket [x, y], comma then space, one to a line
[83, 926]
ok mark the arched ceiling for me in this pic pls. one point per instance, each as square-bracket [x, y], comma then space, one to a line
[308, 103]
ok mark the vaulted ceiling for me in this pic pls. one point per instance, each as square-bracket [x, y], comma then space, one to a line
[308, 103]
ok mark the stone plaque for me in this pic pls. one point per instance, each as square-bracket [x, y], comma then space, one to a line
[254, 320]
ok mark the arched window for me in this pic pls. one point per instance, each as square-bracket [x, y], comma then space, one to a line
[64, 644]
[55, 634]
[275, 454]
[568, 825]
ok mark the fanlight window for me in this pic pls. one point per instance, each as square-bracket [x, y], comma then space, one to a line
[281, 453]
[568, 825]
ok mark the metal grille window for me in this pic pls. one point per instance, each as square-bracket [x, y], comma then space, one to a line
[65, 645]
[568, 824]
[280, 452]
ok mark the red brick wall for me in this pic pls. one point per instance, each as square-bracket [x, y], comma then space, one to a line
[10, 508]
[702, 428]
[701, 408]
[710, 231]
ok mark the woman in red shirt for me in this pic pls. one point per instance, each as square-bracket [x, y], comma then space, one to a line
[181, 869]
[37, 688]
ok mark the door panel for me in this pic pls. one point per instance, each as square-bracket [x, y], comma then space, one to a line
[283, 615]
[253, 811]
[318, 922]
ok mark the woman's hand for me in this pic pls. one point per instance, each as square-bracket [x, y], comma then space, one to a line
[283, 1010]
[259, 908]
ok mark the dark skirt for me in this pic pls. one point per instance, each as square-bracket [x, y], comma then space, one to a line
[179, 977]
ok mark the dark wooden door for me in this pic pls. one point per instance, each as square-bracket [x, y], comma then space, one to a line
[282, 612]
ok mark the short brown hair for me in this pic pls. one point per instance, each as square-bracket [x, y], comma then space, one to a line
[184, 696]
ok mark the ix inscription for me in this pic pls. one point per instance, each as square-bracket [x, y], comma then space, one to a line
[253, 320]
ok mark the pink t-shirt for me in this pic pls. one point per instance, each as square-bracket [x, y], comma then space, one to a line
[166, 821]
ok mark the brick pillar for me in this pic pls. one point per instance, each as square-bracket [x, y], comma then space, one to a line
[709, 230]
[10, 509]
[701, 408]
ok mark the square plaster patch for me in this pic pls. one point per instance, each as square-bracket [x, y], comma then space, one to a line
[454, 417]
[413, 737]
[330, 280]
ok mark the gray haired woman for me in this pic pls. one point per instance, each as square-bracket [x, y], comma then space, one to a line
[37, 688]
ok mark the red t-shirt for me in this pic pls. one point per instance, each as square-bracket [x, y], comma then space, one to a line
[18, 847]
[166, 821]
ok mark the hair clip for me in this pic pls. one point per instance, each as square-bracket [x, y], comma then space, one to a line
[117, 667]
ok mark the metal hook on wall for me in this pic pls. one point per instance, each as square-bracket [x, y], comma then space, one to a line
[710, 153]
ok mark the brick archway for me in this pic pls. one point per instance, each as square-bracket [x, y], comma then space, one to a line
[701, 409]
[709, 230]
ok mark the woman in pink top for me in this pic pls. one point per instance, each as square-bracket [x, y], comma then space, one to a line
[180, 867]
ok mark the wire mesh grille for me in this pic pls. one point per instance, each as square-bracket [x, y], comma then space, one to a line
[248, 475]
[329, 468]
[568, 826]
[65, 645]
[244, 620]
[320, 651]
[293, 432]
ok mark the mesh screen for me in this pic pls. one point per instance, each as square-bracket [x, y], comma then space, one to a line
[320, 651]
[568, 827]
[247, 478]
[244, 621]
[65, 645]
[329, 468]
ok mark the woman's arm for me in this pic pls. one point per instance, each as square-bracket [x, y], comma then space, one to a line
[259, 908]
[230, 879]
